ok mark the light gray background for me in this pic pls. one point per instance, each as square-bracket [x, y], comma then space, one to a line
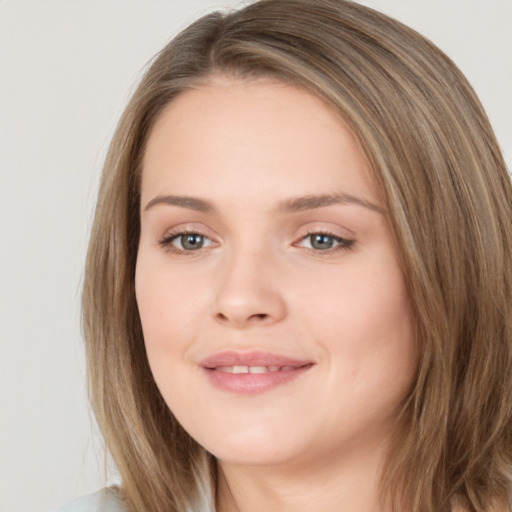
[66, 71]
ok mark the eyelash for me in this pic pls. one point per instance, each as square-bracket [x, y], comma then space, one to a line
[343, 244]
[167, 240]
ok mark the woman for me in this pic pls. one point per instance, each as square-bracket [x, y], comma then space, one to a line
[298, 286]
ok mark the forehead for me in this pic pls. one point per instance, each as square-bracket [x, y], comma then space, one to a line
[234, 135]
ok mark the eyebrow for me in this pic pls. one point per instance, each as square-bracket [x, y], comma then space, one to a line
[310, 202]
[292, 205]
[191, 203]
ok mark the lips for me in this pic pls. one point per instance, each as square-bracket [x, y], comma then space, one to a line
[253, 369]
[252, 372]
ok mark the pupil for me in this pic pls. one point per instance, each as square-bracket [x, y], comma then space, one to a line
[322, 242]
[192, 242]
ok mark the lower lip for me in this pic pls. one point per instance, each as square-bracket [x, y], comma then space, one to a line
[251, 383]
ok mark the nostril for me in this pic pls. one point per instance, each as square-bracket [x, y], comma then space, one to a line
[256, 317]
[260, 316]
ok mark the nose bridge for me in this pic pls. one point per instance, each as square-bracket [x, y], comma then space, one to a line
[247, 289]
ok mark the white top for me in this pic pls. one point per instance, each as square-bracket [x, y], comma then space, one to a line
[104, 500]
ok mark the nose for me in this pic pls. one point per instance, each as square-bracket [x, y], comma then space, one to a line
[248, 292]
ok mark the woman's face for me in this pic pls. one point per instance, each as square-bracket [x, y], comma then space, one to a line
[275, 315]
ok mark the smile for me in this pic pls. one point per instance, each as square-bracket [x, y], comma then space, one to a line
[252, 372]
[254, 369]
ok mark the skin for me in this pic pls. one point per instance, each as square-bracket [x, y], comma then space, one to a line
[259, 282]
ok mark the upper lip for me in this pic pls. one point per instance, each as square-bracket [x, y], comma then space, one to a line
[253, 358]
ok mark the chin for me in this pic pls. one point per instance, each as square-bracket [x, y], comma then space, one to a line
[269, 455]
[255, 446]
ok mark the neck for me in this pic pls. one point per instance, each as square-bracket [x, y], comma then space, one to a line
[351, 484]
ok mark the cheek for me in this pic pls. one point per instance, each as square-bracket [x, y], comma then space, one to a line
[165, 310]
[371, 351]
[361, 298]
[166, 316]
[363, 320]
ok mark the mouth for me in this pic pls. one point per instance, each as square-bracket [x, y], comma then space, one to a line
[254, 369]
[252, 372]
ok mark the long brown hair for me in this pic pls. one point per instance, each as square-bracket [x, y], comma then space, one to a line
[449, 202]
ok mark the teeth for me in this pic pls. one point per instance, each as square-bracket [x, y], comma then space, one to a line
[258, 369]
[252, 369]
[240, 369]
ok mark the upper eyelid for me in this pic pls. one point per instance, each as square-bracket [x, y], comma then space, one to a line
[325, 233]
[166, 242]
[342, 241]
[192, 230]
[187, 228]
[349, 235]
[171, 235]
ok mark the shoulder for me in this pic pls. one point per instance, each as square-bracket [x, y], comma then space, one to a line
[105, 500]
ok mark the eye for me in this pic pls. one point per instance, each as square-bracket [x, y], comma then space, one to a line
[325, 242]
[185, 242]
